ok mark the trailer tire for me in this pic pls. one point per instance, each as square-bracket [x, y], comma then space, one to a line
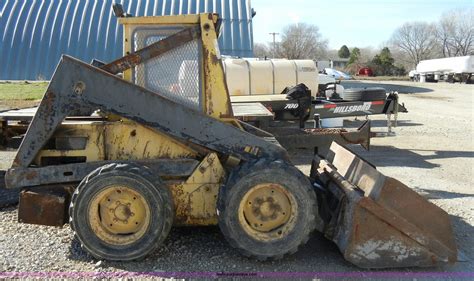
[283, 213]
[364, 94]
[121, 212]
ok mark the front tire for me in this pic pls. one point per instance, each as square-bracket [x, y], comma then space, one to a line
[267, 210]
[121, 212]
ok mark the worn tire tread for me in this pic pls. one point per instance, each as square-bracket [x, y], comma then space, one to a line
[126, 168]
[364, 94]
[253, 167]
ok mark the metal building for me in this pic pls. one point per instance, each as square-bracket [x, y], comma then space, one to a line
[34, 33]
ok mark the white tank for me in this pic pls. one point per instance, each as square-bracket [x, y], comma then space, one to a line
[307, 73]
[237, 68]
[261, 77]
[268, 77]
[284, 74]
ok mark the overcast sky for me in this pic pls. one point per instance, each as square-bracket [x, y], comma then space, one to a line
[359, 23]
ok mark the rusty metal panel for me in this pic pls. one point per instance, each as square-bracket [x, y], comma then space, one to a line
[45, 206]
[23, 177]
[216, 104]
[291, 138]
[156, 49]
[108, 141]
[196, 198]
[90, 131]
[379, 222]
[131, 141]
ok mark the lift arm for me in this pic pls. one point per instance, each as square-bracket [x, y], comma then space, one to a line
[77, 84]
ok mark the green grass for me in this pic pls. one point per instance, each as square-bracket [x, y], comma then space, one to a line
[22, 90]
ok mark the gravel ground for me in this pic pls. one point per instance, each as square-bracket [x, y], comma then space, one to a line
[431, 152]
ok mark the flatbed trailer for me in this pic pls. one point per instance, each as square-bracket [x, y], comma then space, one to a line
[333, 109]
[273, 113]
[14, 124]
[285, 110]
[282, 116]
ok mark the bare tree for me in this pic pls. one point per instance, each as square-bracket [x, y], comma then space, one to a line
[402, 59]
[302, 41]
[444, 32]
[416, 39]
[366, 54]
[455, 33]
[261, 50]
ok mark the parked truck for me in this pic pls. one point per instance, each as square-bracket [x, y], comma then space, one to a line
[454, 69]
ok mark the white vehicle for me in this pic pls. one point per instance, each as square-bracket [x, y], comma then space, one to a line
[448, 69]
[328, 86]
[337, 74]
[413, 75]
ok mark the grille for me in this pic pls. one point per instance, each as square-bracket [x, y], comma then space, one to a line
[175, 74]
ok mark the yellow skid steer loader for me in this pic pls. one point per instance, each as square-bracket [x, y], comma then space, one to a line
[164, 149]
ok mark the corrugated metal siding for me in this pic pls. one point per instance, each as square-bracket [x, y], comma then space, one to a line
[37, 32]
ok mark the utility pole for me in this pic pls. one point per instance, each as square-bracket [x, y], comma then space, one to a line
[274, 43]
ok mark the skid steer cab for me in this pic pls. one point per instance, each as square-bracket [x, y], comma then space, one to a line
[163, 148]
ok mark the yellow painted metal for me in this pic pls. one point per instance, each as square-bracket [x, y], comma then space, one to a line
[132, 141]
[216, 101]
[119, 215]
[130, 24]
[160, 20]
[121, 139]
[93, 132]
[216, 96]
[267, 211]
[127, 49]
[196, 198]
[117, 141]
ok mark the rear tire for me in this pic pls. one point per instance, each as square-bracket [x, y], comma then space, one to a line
[121, 212]
[267, 210]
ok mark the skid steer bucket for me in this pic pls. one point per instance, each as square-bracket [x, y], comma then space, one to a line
[377, 221]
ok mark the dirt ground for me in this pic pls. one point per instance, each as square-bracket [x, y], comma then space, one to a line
[432, 152]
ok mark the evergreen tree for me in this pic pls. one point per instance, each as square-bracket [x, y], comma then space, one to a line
[344, 52]
[354, 57]
[383, 63]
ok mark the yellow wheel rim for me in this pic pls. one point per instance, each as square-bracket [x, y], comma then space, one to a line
[119, 215]
[267, 211]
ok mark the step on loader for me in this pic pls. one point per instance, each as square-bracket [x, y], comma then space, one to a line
[164, 149]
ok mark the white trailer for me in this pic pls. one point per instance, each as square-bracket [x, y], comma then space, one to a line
[452, 69]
